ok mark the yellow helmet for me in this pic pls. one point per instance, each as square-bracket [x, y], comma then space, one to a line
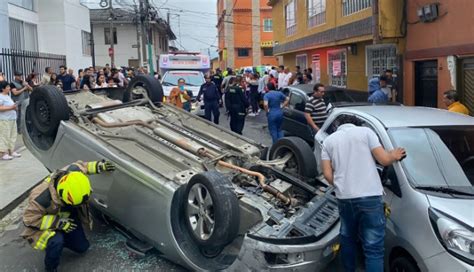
[74, 188]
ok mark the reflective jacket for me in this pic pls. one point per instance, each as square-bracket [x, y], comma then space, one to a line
[45, 207]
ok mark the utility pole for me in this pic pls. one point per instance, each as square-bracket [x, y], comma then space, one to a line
[141, 10]
[139, 54]
[148, 37]
[111, 36]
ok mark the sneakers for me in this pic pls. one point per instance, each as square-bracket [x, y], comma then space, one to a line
[252, 114]
[7, 157]
[16, 155]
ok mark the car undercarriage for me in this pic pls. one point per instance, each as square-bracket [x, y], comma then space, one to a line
[201, 195]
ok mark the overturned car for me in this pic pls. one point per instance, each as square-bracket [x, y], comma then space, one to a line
[198, 193]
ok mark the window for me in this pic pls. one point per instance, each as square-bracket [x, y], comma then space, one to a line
[301, 61]
[267, 25]
[297, 101]
[86, 43]
[316, 12]
[23, 36]
[26, 4]
[267, 52]
[380, 58]
[352, 6]
[243, 52]
[337, 68]
[107, 35]
[290, 18]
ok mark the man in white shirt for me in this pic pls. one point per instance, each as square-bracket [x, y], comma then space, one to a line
[287, 77]
[348, 164]
[281, 77]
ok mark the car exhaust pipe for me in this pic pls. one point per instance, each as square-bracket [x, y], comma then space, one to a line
[163, 132]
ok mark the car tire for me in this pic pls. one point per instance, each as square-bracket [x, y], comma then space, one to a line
[214, 190]
[264, 153]
[48, 107]
[404, 264]
[150, 84]
[303, 155]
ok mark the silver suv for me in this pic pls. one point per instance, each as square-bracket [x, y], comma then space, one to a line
[429, 194]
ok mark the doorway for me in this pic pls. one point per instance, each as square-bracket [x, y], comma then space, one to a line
[467, 84]
[426, 83]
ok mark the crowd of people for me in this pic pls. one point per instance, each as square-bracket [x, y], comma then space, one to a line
[15, 92]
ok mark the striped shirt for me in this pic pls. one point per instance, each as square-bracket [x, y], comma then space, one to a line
[317, 108]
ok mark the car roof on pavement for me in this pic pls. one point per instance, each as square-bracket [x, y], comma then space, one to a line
[406, 116]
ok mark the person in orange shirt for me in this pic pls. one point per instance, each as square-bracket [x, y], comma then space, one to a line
[451, 100]
[178, 95]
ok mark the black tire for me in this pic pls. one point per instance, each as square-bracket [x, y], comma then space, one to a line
[152, 86]
[48, 107]
[403, 264]
[226, 215]
[302, 153]
[264, 153]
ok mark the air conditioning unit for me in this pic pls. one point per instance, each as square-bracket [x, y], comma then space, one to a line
[428, 13]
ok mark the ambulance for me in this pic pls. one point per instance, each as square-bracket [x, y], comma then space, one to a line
[190, 66]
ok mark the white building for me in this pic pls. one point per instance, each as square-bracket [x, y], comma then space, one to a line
[60, 27]
[129, 43]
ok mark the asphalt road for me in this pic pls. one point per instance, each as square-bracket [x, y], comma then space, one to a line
[107, 251]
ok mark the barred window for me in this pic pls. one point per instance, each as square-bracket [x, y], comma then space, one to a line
[316, 12]
[290, 18]
[352, 6]
[380, 57]
[337, 68]
[86, 43]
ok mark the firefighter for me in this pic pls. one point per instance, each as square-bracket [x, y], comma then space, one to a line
[58, 208]
[236, 104]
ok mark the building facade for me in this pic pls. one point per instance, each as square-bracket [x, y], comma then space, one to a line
[345, 42]
[245, 33]
[440, 52]
[129, 44]
[48, 26]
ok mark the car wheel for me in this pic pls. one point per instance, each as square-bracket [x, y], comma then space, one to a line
[302, 163]
[264, 153]
[152, 86]
[212, 210]
[48, 107]
[403, 264]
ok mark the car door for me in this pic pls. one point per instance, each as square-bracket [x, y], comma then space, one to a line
[327, 129]
[294, 121]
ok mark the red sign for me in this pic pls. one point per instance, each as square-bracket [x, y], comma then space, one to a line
[111, 51]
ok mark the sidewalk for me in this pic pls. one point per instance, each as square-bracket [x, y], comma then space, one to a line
[17, 177]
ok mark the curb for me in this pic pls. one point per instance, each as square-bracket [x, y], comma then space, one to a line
[12, 205]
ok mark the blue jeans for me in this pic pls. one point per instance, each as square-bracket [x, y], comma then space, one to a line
[75, 240]
[211, 107]
[275, 119]
[362, 219]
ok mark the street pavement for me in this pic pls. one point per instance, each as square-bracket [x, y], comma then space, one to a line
[107, 251]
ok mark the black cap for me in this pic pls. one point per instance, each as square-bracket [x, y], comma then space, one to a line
[18, 73]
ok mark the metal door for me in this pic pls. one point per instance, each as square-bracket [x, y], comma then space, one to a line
[467, 87]
[426, 83]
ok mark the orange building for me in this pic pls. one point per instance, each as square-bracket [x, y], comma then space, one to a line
[439, 52]
[245, 31]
